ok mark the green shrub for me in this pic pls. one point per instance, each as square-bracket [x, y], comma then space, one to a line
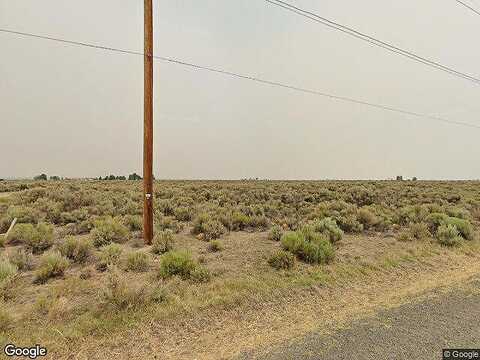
[293, 241]
[329, 227]
[109, 255]
[52, 264]
[22, 259]
[138, 261]
[108, 231]
[434, 220]
[318, 251]
[282, 260]
[163, 242]
[76, 249]
[448, 235]
[275, 233]
[7, 271]
[215, 246]
[309, 246]
[36, 237]
[133, 222]
[463, 226]
[178, 263]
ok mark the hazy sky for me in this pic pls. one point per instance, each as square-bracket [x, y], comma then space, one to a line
[74, 111]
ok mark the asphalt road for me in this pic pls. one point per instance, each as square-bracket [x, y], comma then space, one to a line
[414, 331]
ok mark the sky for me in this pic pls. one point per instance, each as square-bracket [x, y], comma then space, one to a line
[78, 112]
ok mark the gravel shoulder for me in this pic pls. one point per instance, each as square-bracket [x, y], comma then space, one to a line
[418, 330]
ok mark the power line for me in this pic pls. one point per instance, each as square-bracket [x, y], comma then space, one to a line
[468, 7]
[371, 40]
[248, 77]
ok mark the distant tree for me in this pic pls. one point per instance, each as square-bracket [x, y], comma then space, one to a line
[121, 178]
[414, 179]
[111, 177]
[134, 176]
[55, 178]
[399, 178]
[41, 177]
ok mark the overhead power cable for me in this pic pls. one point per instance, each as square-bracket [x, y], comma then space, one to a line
[471, 8]
[247, 77]
[371, 40]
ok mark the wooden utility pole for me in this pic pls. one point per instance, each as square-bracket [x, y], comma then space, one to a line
[148, 127]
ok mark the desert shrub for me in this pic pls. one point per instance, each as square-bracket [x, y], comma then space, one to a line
[76, 249]
[50, 210]
[24, 215]
[349, 224]
[213, 229]
[309, 246]
[178, 263]
[367, 218]
[434, 220]
[405, 236]
[7, 270]
[36, 237]
[464, 227]
[448, 235]
[258, 222]
[239, 221]
[419, 231]
[22, 259]
[163, 242]
[318, 251]
[166, 207]
[282, 260]
[109, 255]
[52, 264]
[138, 261]
[275, 233]
[133, 222]
[409, 214]
[168, 223]
[200, 274]
[198, 223]
[123, 295]
[458, 213]
[293, 241]
[328, 227]
[215, 246]
[3, 240]
[361, 196]
[107, 231]
[183, 213]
